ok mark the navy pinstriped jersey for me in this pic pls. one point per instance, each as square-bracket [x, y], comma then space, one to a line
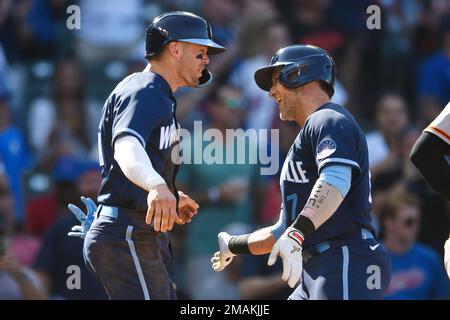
[330, 136]
[142, 105]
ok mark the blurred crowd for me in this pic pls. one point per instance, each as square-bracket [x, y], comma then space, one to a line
[54, 81]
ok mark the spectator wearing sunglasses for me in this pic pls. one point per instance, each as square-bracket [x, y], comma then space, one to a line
[417, 270]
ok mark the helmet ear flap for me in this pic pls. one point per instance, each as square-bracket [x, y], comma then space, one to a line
[290, 75]
[156, 38]
[294, 74]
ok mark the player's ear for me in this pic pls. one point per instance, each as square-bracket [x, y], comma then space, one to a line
[175, 49]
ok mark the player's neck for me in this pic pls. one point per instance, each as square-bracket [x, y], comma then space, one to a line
[308, 106]
[164, 72]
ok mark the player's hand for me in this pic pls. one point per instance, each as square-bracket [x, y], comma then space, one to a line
[289, 247]
[85, 219]
[447, 256]
[224, 256]
[161, 208]
[187, 208]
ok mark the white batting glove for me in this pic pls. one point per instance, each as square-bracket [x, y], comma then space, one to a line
[447, 256]
[224, 256]
[289, 247]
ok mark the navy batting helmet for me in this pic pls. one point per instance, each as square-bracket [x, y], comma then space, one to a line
[300, 64]
[180, 26]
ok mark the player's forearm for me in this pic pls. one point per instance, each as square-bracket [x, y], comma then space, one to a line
[261, 241]
[326, 196]
[135, 163]
[322, 203]
[255, 243]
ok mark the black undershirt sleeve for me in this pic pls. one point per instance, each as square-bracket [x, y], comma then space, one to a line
[429, 156]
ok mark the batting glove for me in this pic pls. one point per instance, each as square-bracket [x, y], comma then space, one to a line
[289, 247]
[224, 256]
[85, 219]
[447, 256]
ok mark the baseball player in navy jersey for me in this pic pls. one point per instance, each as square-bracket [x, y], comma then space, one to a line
[323, 235]
[126, 246]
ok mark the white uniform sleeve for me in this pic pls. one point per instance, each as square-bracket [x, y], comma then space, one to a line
[135, 163]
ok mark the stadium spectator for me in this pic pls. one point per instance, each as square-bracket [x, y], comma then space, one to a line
[220, 14]
[308, 24]
[433, 79]
[44, 210]
[15, 157]
[66, 123]
[399, 20]
[260, 39]
[17, 281]
[417, 271]
[27, 29]
[113, 38]
[391, 121]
